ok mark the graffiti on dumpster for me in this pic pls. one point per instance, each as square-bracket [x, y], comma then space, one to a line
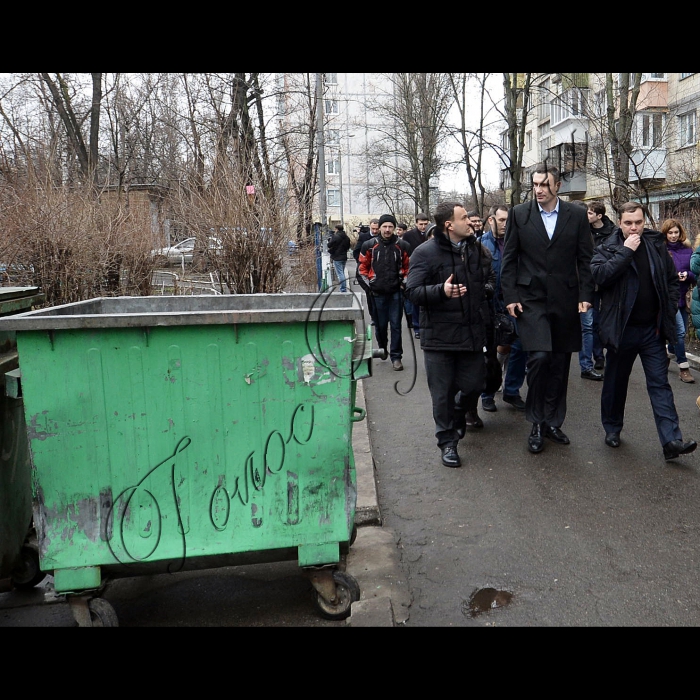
[256, 469]
[316, 348]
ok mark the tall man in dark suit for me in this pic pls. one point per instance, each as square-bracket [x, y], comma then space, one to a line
[546, 281]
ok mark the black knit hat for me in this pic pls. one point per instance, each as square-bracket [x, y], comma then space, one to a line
[387, 218]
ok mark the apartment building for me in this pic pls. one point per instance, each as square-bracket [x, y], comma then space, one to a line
[355, 122]
[568, 121]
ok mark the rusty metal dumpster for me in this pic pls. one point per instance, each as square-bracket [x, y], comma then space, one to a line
[19, 558]
[189, 432]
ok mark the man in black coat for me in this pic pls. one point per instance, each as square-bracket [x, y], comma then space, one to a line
[639, 288]
[546, 282]
[338, 248]
[451, 279]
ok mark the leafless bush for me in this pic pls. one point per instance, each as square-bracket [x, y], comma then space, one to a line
[73, 245]
[241, 237]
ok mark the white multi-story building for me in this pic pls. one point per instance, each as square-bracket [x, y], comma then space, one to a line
[565, 124]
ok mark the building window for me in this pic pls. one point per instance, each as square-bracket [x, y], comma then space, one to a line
[331, 78]
[544, 148]
[331, 106]
[333, 136]
[686, 129]
[686, 75]
[528, 141]
[333, 166]
[333, 197]
[652, 129]
[570, 104]
[653, 76]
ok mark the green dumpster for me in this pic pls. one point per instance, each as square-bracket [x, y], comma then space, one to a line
[19, 559]
[189, 432]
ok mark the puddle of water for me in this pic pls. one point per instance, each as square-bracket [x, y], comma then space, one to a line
[484, 599]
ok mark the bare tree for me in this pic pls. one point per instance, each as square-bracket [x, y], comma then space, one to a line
[69, 104]
[517, 91]
[412, 126]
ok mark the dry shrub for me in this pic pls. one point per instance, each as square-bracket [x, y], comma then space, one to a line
[73, 245]
[251, 233]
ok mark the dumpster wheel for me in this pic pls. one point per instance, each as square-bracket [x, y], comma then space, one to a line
[27, 573]
[347, 592]
[102, 613]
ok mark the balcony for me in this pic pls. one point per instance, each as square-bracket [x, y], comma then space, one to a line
[650, 164]
[573, 183]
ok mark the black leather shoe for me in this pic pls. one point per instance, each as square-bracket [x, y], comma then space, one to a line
[450, 458]
[592, 374]
[515, 401]
[556, 435]
[599, 363]
[473, 422]
[676, 448]
[489, 405]
[612, 439]
[535, 443]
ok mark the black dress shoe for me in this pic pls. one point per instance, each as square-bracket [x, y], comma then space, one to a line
[515, 401]
[676, 448]
[599, 363]
[473, 422]
[592, 374]
[489, 405]
[556, 435]
[450, 458]
[612, 439]
[535, 443]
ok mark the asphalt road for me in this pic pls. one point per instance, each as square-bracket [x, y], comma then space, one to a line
[578, 535]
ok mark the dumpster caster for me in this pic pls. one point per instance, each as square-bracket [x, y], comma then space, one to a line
[334, 593]
[102, 613]
[27, 572]
[93, 612]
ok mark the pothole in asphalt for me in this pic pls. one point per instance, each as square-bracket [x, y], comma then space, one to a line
[484, 599]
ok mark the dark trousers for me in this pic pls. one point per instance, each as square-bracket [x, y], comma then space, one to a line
[388, 310]
[547, 384]
[642, 341]
[448, 373]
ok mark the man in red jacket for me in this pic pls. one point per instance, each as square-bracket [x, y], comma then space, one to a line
[383, 269]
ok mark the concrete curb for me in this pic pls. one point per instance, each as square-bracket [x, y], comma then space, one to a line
[693, 360]
[373, 558]
[367, 508]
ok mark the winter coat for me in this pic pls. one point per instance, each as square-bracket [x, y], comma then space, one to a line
[459, 323]
[364, 235]
[414, 237]
[548, 277]
[600, 234]
[339, 245]
[681, 253]
[614, 271]
[488, 240]
[383, 264]
[695, 296]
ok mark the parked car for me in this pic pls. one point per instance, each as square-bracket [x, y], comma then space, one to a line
[184, 251]
[176, 254]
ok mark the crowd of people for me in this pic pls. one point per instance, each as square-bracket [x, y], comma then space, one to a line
[570, 279]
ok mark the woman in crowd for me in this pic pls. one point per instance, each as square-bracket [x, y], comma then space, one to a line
[681, 250]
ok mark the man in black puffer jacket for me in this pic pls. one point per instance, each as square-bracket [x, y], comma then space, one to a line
[451, 280]
[638, 285]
